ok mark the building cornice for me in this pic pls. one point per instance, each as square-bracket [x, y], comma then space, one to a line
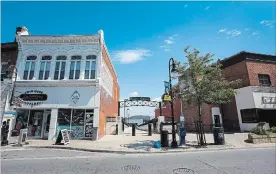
[55, 83]
[73, 39]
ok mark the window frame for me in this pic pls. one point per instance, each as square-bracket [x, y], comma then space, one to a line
[262, 78]
[76, 61]
[46, 61]
[245, 116]
[31, 61]
[91, 59]
[61, 61]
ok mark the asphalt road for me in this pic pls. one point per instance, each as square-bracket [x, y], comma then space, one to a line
[47, 161]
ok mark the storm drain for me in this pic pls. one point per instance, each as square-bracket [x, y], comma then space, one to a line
[183, 171]
[131, 168]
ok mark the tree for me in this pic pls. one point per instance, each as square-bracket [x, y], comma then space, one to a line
[201, 81]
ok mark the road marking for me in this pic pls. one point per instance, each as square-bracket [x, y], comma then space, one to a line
[47, 158]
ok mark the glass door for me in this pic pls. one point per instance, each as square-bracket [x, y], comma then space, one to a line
[46, 123]
[35, 124]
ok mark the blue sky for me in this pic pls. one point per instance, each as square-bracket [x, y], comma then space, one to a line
[142, 36]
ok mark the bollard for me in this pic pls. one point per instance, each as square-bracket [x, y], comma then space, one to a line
[133, 130]
[117, 130]
[149, 129]
[123, 126]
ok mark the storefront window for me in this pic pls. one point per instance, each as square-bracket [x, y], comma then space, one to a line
[89, 117]
[249, 116]
[63, 122]
[20, 122]
[77, 124]
[35, 123]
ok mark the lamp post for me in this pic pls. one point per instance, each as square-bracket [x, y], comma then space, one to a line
[172, 70]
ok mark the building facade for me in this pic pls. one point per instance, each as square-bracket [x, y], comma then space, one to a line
[64, 82]
[254, 102]
[8, 61]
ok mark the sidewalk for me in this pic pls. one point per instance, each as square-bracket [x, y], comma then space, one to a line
[142, 143]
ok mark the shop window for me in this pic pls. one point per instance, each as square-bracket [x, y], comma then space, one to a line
[89, 118]
[45, 64]
[60, 67]
[90, 67]
[75, 67]
[249, 116]
[20, 122]
[29, 68]
[264, 79]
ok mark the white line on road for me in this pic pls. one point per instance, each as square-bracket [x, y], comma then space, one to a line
[48, 158]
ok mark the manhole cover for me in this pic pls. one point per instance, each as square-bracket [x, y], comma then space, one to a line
[131, 168]
[183, 171]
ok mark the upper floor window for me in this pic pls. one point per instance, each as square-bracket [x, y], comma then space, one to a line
[90, 67]
[60, 67]
[29, 68]
[4, 70]
[75, 67]
[264, 79]
[44, 71]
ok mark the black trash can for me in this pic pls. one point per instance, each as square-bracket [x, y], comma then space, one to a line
[218, 135]
[165, 138]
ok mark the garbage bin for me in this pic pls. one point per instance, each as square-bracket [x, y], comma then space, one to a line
[164, 138]
[218, 135]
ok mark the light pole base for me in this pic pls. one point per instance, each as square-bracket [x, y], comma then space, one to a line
[174, 144]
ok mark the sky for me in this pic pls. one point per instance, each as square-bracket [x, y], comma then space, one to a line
[142, 36]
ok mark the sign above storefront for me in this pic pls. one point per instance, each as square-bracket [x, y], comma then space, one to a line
[33, 97]
[269, 100]
[75, 97]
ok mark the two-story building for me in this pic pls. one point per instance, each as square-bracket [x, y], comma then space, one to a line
[64, 82]
[255, 100]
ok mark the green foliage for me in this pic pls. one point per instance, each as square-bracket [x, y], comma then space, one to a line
[273, 129]
[259, 131]
[201, 80]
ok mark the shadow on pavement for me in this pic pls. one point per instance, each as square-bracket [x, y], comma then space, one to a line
[140, 145]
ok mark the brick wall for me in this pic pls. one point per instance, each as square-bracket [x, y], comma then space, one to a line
[255, 68]
[166, 111]
[108, 104]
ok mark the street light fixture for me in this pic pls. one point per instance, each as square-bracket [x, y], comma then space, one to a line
[172, 69]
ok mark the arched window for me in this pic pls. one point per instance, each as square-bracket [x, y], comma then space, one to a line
[75, 67]
[29, 68]
[90, 67]
[44, 71]
[60, 67]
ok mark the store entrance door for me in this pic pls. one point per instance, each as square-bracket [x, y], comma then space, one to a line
[46, 124]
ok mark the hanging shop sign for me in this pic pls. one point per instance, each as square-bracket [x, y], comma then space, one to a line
[33, 97]
[167, 98]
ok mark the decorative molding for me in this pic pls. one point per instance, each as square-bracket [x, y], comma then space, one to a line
[58, 39]
[57, 83]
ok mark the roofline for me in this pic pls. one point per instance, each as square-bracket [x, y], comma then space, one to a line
[68, 35]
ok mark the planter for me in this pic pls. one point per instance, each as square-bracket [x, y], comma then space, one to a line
[256, 139]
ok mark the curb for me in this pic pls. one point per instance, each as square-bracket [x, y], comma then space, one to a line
[141, 152]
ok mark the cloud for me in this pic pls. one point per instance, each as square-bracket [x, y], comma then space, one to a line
[169, 41]
[185, 5]
[268, 23]
[133, 94]
[207, 8]
[130, 56]
[247, 29]
[255, 34]
[230, 33]
[222, 30]
[157, 99]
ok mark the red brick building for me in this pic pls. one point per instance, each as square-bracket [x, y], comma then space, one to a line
[257, 73]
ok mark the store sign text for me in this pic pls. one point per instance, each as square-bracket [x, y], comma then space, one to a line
[269, 100]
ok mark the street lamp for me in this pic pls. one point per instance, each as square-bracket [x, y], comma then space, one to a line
[172, 69]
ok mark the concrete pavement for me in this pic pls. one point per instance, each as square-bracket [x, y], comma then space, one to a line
[49, 161]
[142, 143]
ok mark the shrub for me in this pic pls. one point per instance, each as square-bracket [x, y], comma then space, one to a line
[259, 131]
[273, 129]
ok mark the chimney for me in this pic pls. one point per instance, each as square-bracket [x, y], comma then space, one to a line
[20, 31]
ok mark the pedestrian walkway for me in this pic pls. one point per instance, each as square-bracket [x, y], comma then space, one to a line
[142, 143]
